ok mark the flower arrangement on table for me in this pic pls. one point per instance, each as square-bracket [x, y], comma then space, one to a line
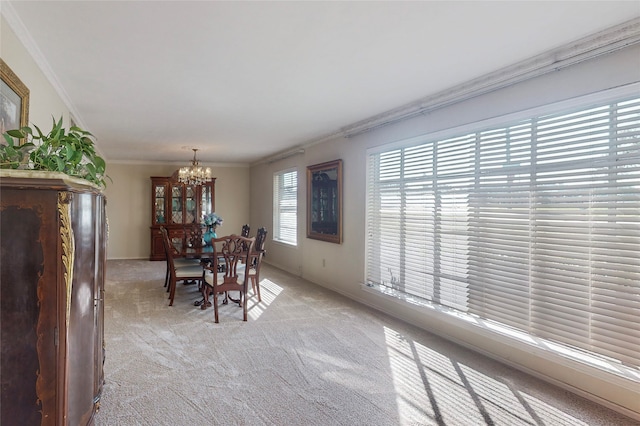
[211, 221]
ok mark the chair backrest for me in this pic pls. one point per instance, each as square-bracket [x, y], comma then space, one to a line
[165, 238]
[245, 231]
[166, 243]
[168, 250]
[194, 236]
[258, 249]
[230, 262]
[261, 238]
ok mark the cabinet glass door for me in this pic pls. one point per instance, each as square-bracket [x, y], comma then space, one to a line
[190, 205]
[160, 199]
[207, 199]
[176, 204]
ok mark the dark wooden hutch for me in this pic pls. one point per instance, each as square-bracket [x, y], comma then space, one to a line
[179, 208]
[52, 271]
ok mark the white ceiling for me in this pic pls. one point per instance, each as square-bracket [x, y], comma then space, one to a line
[242, 81]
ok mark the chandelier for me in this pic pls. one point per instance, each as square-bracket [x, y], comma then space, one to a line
[194, 174]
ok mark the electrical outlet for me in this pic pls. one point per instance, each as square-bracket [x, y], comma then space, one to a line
[324, 263]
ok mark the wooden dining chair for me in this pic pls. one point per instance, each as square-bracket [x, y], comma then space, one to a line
[228, 271]
[193, 272]
[257, 254]
[246, 229]
[170, 250]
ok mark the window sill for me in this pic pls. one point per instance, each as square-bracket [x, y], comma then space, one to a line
[285, 243]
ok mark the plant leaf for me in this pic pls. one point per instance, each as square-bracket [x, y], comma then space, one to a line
[16, 134]
[59, 164]
[68, 153]
[99, 162]
[40, 134]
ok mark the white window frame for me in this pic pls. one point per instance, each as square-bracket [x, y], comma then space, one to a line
[285, 207]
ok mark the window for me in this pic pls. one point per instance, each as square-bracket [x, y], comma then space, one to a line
[285, 206]
[533, 224]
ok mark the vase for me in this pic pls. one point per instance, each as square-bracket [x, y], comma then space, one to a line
[208, 235]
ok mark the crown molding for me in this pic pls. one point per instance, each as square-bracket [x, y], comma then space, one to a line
[177, 164]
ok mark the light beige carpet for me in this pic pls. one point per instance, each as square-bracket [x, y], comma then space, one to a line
[307, 356]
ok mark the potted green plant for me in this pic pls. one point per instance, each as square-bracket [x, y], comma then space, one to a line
[71, 152]
[12, 156]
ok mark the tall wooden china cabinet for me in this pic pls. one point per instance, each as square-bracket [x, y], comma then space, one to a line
[53, 239]
[179, 208]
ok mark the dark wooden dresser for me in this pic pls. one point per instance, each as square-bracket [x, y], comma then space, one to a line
[53, 232]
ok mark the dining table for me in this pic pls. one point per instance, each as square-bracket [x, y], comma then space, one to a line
[193, 251]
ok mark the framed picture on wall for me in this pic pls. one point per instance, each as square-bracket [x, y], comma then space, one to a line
[324, 201]
[14, 100]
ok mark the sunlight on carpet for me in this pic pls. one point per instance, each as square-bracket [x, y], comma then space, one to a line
[430, 384]
[268, 293]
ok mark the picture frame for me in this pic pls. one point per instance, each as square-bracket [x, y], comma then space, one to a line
[14, 100]
[324, 201]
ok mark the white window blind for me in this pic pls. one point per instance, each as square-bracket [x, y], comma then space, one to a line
[285, 206]
[534, 224]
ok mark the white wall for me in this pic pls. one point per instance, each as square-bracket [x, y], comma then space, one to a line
[343, 266]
